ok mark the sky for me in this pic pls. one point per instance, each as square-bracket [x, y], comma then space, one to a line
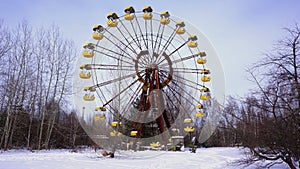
[240, 30]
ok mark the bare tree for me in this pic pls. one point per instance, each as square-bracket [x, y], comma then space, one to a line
[5, 40]
[275, 119]
[35, 84]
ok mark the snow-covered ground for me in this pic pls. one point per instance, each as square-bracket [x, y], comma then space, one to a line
[204, 158]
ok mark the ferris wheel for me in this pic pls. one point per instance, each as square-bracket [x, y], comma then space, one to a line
[143, 75]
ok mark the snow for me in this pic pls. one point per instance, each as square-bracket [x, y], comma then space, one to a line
[206, 158]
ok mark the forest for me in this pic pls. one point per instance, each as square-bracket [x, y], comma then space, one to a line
[37, 66]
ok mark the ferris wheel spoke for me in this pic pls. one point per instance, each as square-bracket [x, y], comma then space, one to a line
[115, 80]
[114, 57]
[146, 28]
[138, 44]
[142, 64]
[166, 45]
[131, 48]
[174, 92]
[175, 50]
[118, 46]
[147, 60]
[181, 60]
[139, 26]
[157, 36]
[172, 36]
[151, 36]
[160, 39]
[185, 98]
[184, 91]
[185, 71]
[136, 35]
[134, 96]
[117, 95]
[184, 68]
[189, 81]
[115, 69]
[110, 65]
[175, 114]
[187, 84]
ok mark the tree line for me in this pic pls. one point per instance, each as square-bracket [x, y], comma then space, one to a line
[36, 68]
[267, 120]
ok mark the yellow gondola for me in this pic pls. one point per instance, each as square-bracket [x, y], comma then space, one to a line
[113, 134]
[192, 38]
[100, 108]
[112, 16]
[189, 129]
[112, 19]
[165, 14]
[98, 32]
[90, 46]
[188, 120]
[199, 106]
[133, 133]
[205, 71]
[112, 23]
[89, 88]
[89, 98]
[114, 124]
[199, 114]
[147, 9]
[204, 89]
[97, 36]
[201, 61]
[97, 117]
[165, 18]
[205, 79]
[98, 28]
[129, 17]
[82, 66]
[83, 75]
[86, 66]
[155, 145]
[129, 9]
[202, 54]
[205, 97]
[165, 21]
[180, 24]
[192, 44]
[88, 54]
[147, 15]
[180, 30]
